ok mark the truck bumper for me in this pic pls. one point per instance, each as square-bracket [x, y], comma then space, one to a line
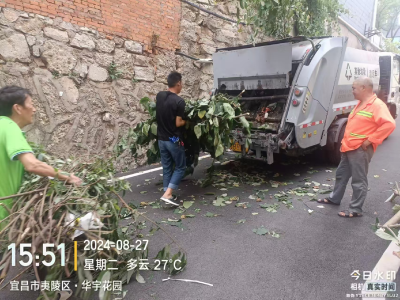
[263, 144]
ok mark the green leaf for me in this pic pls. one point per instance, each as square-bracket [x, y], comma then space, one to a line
[145, 129]
[178, 211]
[103, 292]
[187, 204]
[145, 102]
[386, 236]
[216, 123]
[209, 214]
[244, 122]
[275, 235]
[220, 150]
[154, 128]
[173, 220]
[260, 231]
[241, 221]
[201, 114]
[219, 202]
[197, 131]
[228, 108]
[139, 278]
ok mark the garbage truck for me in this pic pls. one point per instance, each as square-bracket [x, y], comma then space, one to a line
[297, 92]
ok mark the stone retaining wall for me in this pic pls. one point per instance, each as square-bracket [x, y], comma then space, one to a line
[83, 112]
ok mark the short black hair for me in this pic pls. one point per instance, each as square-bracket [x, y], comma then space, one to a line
[173, 79]
[10, 95]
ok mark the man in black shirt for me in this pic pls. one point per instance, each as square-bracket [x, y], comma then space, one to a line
[170, 109]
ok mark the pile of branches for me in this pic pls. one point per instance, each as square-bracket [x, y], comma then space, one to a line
[208, 129]
[390, 230]
[50, 211]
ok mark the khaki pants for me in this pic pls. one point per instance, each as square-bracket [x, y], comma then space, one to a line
[353, 164]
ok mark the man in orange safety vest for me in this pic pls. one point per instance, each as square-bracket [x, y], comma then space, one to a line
[368, 125]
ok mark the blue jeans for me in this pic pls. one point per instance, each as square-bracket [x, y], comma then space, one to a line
[172, 153]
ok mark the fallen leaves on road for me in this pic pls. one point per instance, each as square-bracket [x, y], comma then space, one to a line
[241, 221]
[328, 191]
[272, 208]
[219, 202]
[187, 204]
[263, 231]
[187, 216]
[243, 204]
[210, 215]
[376, 176]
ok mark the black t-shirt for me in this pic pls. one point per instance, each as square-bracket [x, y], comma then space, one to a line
[168, 107]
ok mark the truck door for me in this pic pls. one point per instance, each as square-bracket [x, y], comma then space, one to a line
[384, 81]
[394, 97]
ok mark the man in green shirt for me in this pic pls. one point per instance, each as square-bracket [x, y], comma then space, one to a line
[16, 156]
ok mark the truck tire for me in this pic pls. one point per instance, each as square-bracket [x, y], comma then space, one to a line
[392, 110]
[335, 156]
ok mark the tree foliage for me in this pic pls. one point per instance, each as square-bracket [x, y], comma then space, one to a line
[390, 46]
[387, 17]
[285, 18]
[47, 211]
[208, 129]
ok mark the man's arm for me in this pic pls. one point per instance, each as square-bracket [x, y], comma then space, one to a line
[35, 166]
[386, 125]
[179, 122]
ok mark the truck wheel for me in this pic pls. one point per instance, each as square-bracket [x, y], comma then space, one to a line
[392, 110]
[335, 156]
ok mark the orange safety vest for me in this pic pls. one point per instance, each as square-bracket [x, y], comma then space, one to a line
[371, 121]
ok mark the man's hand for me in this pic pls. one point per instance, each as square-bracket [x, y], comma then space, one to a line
[365, 145]
[72, 179]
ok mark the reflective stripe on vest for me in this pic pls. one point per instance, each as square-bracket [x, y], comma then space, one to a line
[358, 135]
[365, 114]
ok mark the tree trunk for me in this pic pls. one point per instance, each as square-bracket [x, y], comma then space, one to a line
[392, 26]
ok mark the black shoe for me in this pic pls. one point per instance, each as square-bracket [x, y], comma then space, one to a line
[173, 201]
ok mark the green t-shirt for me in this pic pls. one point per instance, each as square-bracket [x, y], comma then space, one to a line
[12, 144]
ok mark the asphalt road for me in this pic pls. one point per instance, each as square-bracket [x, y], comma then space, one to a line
[312, 259]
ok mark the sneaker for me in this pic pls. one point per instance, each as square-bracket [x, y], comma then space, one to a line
[173, 201]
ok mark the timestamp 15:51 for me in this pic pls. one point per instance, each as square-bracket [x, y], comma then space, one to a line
[24, 250]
